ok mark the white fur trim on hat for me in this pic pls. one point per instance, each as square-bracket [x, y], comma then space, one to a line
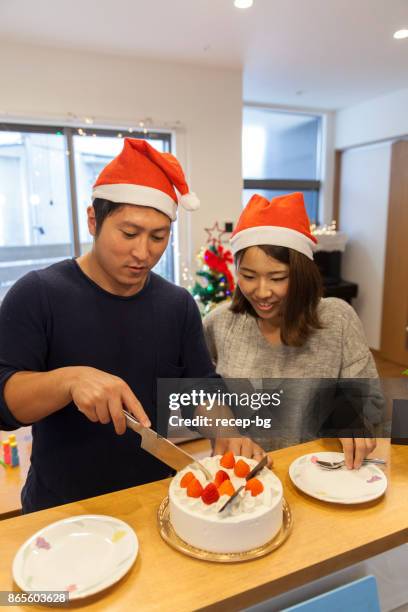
[123, 193]
[189, 201]
[274, 235]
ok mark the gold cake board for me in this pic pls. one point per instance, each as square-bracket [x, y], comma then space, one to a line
[169, 535]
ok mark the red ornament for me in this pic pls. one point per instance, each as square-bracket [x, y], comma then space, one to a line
[218, 259]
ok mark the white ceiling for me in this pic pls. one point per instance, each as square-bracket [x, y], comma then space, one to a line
[309, 53]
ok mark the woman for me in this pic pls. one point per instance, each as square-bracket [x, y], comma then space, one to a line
[278, 325]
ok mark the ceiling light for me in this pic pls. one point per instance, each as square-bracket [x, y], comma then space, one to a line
[243, 4]
[400, 34]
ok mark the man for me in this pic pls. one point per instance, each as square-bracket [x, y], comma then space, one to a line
[83, 338]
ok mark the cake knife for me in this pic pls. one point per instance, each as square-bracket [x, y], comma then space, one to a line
[163, 449]
[259, 466]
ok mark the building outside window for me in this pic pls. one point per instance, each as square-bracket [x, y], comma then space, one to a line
[46, 178]
[281, 154]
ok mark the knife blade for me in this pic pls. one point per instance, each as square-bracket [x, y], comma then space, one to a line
[259, 466]
[163, 449]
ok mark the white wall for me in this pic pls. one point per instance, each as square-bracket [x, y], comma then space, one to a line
[364, 193]
[42, 83]
[378, 119]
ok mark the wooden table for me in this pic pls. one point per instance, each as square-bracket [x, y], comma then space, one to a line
[12, 479]
[325, 538]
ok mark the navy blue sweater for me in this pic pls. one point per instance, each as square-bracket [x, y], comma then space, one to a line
[58, 317]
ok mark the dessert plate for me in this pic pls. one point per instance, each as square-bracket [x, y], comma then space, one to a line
[169, 535]
[82, 555]
[340, 486]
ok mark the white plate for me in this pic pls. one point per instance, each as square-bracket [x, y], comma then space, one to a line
[340, 486]
[83, 555]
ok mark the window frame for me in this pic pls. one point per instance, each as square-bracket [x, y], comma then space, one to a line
[68, 132]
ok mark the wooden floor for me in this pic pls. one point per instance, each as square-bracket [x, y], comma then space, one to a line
[387, 369]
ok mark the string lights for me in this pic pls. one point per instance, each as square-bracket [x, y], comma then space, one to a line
[324, 230]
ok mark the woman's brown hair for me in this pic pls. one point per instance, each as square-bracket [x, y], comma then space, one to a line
[299, 314]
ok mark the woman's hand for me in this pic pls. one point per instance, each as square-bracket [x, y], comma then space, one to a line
[240, 446]
[357, 449]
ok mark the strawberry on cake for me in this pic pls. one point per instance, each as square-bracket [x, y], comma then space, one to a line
[251, 520]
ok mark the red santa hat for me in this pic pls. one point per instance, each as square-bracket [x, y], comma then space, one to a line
[143, 176]
[281, 222]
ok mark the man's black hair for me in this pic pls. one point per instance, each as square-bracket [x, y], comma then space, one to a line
[104, 208]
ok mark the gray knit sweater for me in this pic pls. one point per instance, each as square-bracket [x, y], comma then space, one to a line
[338, 350]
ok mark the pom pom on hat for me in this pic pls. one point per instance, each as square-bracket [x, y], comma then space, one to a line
[189, 201]
[281, 222]
[143, 176]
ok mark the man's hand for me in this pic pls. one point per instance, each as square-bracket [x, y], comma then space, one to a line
[357, 449]
[101, 397]
[240, 446]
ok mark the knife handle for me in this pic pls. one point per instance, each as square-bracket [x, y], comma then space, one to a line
[259, 466]
[132, 422]
[227, 503]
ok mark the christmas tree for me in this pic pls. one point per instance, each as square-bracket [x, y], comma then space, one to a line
[217, 282]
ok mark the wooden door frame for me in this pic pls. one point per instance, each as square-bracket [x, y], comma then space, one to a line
[395, 295]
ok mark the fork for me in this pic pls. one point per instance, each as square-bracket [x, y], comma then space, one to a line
[335, 465]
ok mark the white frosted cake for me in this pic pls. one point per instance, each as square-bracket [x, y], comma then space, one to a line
[251, 520]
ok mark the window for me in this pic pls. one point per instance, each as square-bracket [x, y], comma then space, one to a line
[281, 154]
[46, 178]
